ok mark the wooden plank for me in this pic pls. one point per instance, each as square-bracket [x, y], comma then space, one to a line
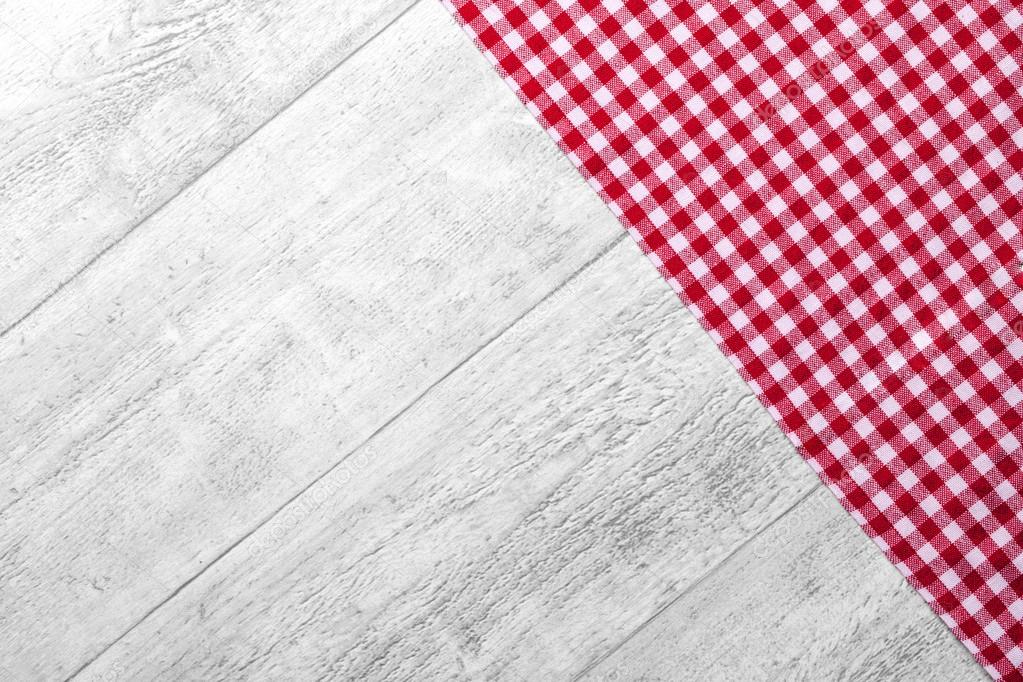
[550, 495]
[241, 342]
[811, 598]
[111, 108]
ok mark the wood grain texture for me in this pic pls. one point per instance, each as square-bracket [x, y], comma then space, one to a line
[809, 599]
[112, 107]
[304, 292]
[550, 495]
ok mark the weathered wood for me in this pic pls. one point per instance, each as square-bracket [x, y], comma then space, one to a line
[811, 598]
[265, 323]
[111, 108]
[550, 495]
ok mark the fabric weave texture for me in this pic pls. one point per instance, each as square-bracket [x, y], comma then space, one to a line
[834, 190]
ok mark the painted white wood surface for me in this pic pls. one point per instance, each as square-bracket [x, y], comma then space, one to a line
[385, 393]
[807, 599]
[246, 338]
[111, 107]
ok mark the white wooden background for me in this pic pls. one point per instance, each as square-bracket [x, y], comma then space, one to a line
[319, 361]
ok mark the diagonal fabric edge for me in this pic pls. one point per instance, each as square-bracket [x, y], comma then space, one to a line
[834, 190]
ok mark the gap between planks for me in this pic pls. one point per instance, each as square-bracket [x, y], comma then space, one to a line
[693, 586]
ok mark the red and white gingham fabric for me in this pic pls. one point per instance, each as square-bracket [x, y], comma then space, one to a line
[834, 190]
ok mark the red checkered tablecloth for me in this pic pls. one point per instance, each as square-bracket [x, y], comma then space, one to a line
[834, 190]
